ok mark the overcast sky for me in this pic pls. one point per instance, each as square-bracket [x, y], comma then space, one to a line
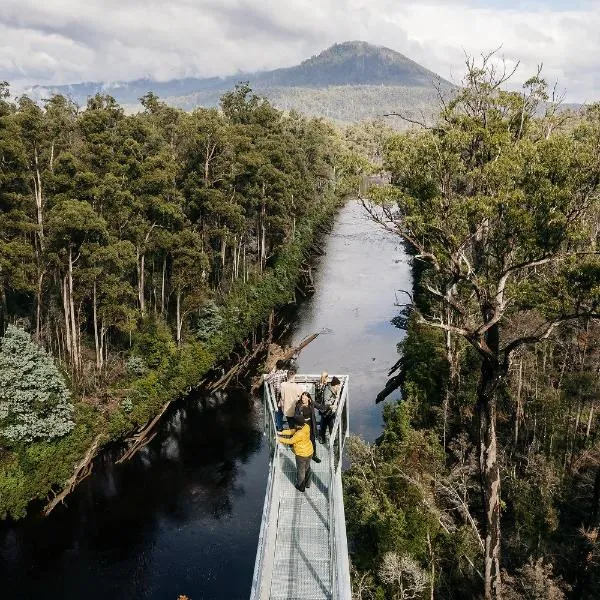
[66, 41]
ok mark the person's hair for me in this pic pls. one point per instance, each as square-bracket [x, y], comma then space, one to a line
[335, 381]
[324, 375]
[306, 394]
[280, 364]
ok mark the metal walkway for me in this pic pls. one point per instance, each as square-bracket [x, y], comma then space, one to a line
[302, 550]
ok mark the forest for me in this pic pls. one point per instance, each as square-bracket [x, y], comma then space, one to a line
[485, 482]
[136, 252]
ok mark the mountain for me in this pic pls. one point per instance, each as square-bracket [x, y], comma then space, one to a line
[350, 63]
[346, 82]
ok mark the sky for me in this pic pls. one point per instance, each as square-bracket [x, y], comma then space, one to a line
[51, 42]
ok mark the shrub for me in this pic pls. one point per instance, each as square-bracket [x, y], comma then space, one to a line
[34, 397]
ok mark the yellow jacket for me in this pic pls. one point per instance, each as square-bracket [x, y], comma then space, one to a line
[300, 440]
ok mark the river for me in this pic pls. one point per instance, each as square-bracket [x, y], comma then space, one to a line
[183, 516]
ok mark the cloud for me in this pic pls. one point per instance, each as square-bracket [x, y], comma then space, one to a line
[65, 41]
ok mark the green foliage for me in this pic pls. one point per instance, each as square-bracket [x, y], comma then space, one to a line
[144, 248]
[498, 203]
[153, 342]
[35, 402]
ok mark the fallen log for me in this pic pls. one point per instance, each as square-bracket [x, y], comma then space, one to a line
[238, 368]
[82, 470]
[145, 436]
[276, 353]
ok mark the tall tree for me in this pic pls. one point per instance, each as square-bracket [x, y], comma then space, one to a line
[504, 215]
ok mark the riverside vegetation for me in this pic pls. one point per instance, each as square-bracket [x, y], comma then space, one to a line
[135, 253]
[486, 480]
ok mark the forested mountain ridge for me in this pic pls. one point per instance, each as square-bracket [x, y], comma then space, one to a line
[346, 82]
[138, 251]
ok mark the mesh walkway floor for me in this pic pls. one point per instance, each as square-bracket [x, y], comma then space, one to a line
[302, 565]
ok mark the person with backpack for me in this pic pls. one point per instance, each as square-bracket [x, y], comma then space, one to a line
[327, 407]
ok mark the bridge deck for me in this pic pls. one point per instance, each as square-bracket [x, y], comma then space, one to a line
[302, 550]
[302, 567]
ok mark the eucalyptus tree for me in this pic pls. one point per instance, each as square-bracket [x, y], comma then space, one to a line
[505, 216]
[72, 225]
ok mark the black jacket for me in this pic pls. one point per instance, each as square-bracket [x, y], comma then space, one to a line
[306, 414]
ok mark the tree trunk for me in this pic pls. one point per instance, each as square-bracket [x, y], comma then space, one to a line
[519, 410]
[103, 352]
[141, 283]
[590, 419]
[162, 287]
[38, 307]
[96, 336]
[263, 237]
[488, 463]
[65, 295]
[74, 328]
[178, 318]
[39, 204]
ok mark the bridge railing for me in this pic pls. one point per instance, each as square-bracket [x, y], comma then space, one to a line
[263, 565]
[340, 569]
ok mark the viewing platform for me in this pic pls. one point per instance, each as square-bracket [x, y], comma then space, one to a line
[302, 548]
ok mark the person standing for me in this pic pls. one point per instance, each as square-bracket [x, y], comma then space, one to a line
[290, 394]
[299, 439]
[275, 378]
[328, 407]
[305, 413]
[320, 387]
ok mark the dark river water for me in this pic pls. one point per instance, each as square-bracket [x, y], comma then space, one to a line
[183, 516]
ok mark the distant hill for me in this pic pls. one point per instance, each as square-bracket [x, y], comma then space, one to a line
[346, 82]
[350, 63]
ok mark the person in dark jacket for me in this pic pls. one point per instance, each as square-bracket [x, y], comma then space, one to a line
[305, 413]
[328, 407]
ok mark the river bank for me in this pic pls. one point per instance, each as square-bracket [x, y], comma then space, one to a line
[183, 515]
[41, 475]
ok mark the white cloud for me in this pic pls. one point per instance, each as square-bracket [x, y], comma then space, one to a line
[63, 41]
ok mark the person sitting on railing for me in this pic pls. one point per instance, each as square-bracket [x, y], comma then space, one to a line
[299, 439]
[290, 394]
[275, 378]
[305, 413]
[328, 406]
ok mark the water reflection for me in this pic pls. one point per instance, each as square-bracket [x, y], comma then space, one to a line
[355, 303]
[175, 519]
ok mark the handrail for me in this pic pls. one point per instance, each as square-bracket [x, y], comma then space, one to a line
[338, 548]
[256, 592]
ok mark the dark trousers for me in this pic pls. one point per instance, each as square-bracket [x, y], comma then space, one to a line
[312, 439]
[279, 419]
[326, 423]
[303, 471]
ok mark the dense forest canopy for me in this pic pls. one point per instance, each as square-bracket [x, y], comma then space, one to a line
[487, 479]
[138, 250]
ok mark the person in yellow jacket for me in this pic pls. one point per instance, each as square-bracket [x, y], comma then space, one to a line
[299, 439]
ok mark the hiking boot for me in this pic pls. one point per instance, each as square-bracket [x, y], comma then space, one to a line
[300, 488]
